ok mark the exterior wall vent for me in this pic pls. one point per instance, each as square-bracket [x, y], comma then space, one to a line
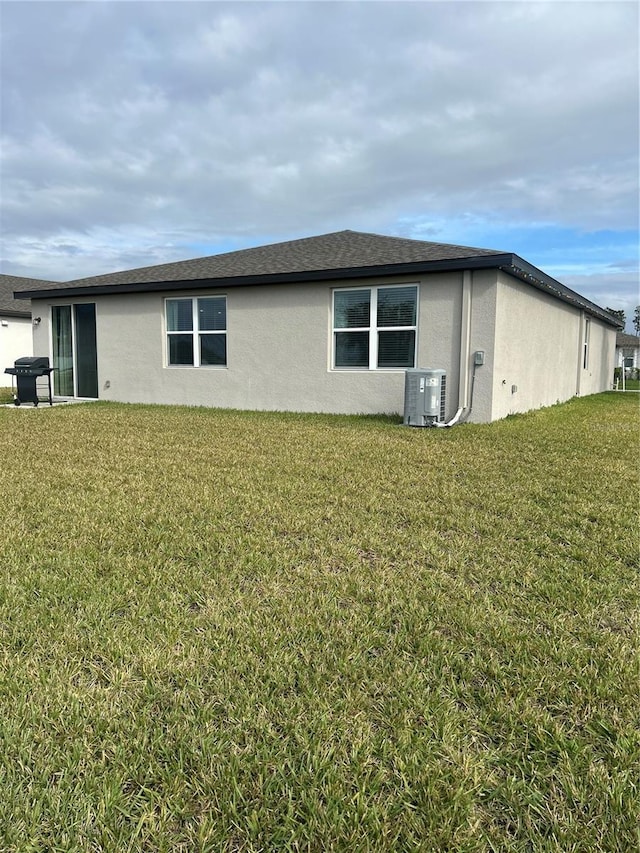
[424, 397]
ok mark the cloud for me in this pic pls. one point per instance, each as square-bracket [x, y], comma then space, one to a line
[144, 129]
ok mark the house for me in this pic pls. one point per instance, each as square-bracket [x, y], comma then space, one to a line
[16, 338]
[327, 324]
[627, 351]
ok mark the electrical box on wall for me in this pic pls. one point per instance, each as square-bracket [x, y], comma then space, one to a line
[478, 357]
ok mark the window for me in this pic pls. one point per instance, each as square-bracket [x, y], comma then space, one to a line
[585, 346]
[375, 328]
[197, 331]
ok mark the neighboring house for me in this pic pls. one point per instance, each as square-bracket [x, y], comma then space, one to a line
[16, 337]
[327, 324]
[627, 351]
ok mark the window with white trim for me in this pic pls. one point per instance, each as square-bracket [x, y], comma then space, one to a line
[196, 331]
[585, 345]
[374, 328]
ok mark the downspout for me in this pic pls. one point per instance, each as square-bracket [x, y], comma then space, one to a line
[465, 350]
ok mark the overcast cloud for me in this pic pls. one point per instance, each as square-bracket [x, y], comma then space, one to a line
[136, 133]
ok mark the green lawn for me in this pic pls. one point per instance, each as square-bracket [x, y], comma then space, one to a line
[630, 385]
[225, 631]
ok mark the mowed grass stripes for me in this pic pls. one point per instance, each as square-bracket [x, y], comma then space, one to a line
[226, 631]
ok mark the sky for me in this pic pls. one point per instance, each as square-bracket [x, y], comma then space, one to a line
[136, 133]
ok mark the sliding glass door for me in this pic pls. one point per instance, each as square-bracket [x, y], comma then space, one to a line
[86, 355]
[75, 358]
[62, 351]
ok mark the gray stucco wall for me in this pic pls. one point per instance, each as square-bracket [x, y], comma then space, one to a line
[539, 350]
[598, 375]
[278, 350]
[279, 341]
[482, 338]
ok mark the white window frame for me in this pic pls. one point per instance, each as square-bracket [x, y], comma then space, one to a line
[373, 329]
[195, 331]
[585, 346]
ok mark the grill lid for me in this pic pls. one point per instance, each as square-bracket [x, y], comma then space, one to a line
[32, 362]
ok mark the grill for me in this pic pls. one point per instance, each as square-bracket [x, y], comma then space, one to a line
[25, 372]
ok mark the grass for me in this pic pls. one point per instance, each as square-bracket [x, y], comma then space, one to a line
[225, 631]
[630, 385]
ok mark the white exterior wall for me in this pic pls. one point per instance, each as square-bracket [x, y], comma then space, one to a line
[278, 349]
[624, 353]
[539, 350]
[16, 341]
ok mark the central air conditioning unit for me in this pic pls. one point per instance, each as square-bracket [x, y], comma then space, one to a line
[424, 397]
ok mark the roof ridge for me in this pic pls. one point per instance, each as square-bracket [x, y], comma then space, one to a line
[282, 245]
[207, 257]
[430, 242]
[7, 275]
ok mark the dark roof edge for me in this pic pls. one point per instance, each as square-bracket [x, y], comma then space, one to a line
[519, 268]
[511, 264]
[485, 262]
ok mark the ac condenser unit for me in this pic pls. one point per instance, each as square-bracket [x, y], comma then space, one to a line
[424, 397]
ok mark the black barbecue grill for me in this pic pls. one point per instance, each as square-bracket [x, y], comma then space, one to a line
[26, 372]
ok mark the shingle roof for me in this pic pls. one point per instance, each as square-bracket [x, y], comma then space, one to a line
[340, 255]
[624, 340]
[339, 250]
[17, 307]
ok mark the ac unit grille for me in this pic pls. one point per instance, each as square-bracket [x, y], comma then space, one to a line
[424, 396]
